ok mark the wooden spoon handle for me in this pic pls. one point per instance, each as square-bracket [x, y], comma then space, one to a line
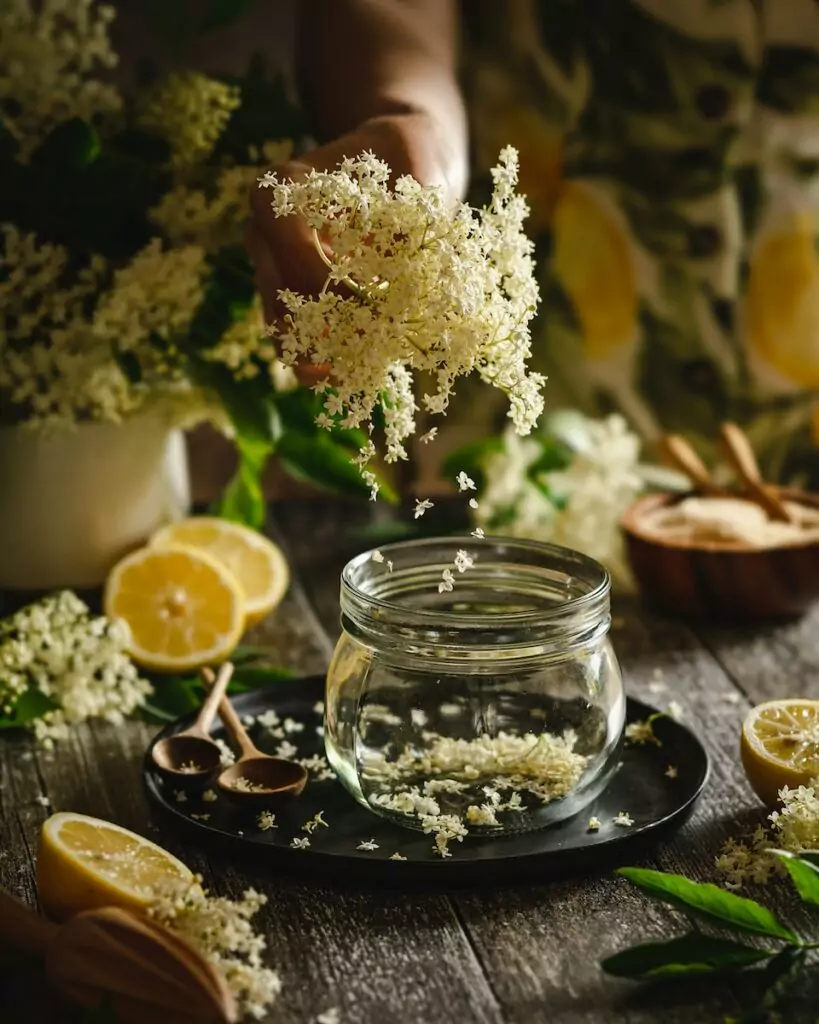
[681, 455]
[207, 713]
[741, 456]
[232, 722]
[22, 928]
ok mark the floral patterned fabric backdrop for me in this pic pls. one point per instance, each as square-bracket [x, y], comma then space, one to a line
[670, 152]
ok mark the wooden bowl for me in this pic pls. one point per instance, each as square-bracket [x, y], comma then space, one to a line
[721, 583]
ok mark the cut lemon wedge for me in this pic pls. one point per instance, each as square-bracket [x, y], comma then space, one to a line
[183, 607]
[780, 746]
[84, 863]
[257, 563]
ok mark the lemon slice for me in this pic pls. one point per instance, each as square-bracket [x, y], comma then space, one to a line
[84, 863]
[780, 746]
[257, 563]
[183, 607]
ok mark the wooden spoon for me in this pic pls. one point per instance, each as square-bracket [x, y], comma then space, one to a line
[741, 456]
[681, 455]
[147, 972]
[257, 779]
[190, 759]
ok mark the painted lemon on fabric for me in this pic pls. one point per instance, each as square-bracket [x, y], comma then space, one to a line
[84, 863]
[594, 263]
[783, 302]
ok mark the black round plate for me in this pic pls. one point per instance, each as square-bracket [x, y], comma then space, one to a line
[640, 787]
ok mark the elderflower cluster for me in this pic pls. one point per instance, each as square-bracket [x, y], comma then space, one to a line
[794, 828]
[221, 931]
[77, 662]
[578, 506]
[154, 296]
[51, 56]
[215, 217]
[455, 771]
[244, 348]
[51, 367]
[190, 111]
[426, 288]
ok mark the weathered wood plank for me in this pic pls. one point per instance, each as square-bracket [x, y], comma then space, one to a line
[768, 662]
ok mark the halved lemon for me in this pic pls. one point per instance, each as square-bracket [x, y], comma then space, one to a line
[257, 563]
[183, 607]
[84, 863]
[780, 746]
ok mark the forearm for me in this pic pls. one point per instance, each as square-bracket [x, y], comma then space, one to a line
[360, 59]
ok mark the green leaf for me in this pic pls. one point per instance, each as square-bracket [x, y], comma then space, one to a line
[805, 876]
[173, 697]
[708, 901]
[73, 144]
[255, 677]
[243, 654]
[320, 461]
[29, 706]
[242, 501]
[693, 953]
[777, 978]
[221, 13]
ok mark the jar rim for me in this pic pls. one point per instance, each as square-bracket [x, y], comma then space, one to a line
[591, 573]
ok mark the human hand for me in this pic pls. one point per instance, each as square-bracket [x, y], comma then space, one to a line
[282, 248]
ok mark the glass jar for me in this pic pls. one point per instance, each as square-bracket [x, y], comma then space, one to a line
[493, 707]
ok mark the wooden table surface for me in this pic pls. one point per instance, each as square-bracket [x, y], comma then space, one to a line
[500, 956]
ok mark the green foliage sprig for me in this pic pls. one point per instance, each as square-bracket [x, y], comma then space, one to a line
[781, 953]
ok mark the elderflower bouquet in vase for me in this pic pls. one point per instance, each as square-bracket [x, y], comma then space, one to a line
[127, 302]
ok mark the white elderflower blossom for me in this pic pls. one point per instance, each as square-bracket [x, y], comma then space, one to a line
[76, 661]
[447, 582]
[217, 217]
[376, 556]
[464, 482]
[300, 844]
[478, 532]
[155, 295]
[266, 820]
[421, 505]
[397, 856]
[671, 772]
[428, 288]
[368, 845]
[473, 503]
[594, 824]
[221, 931]
[463, 560]
[578, 506]
[641, 731]
[623, 819]
[190, 112]
[53, 59]
[430, 435]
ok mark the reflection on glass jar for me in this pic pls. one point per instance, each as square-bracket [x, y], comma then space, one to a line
[496, 707]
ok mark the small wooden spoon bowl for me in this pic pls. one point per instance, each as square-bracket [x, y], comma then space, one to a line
[190, 760]
[720, 581]
[174, 752]
[280, 780]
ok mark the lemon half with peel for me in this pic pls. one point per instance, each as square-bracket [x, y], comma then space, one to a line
[84, 863]
[257, 563]
[780, 746]
[183, 607]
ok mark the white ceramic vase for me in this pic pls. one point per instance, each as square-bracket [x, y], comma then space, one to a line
[72, 503]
